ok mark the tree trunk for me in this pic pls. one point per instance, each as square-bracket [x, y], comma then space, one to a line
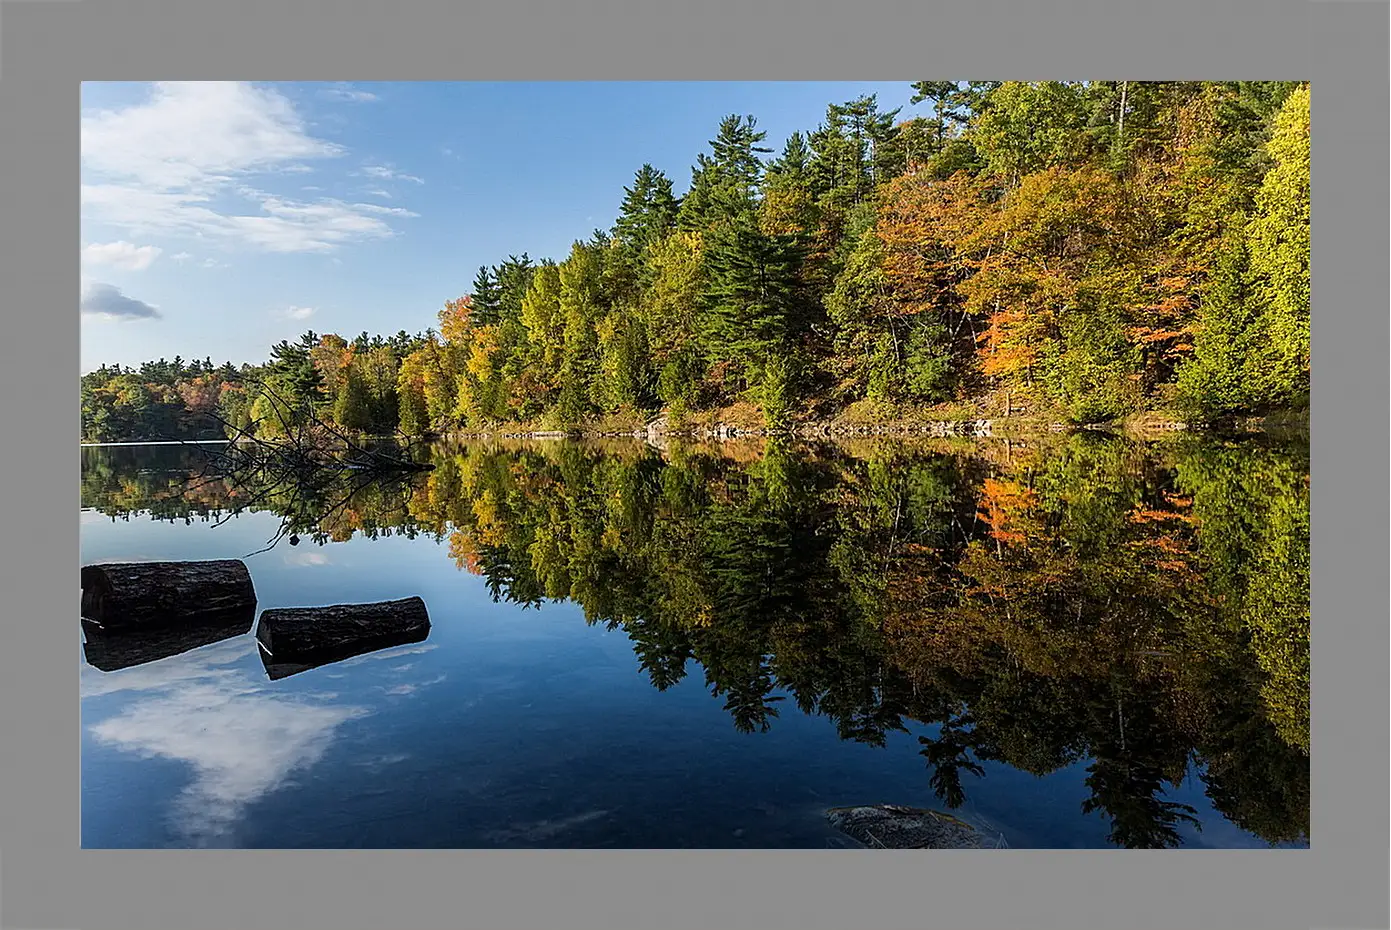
[298, 638]
[132, 595]
[1120, 132]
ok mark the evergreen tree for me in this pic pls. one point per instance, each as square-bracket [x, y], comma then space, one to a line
[1215, 382]
[750, 291]
[724, 185]
[648, 212]
[352, 410]
[487, 297]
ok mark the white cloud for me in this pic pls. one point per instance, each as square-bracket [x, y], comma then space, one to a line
[384, 211]
[344, 91]
[181, 257]
[174, 165]
[191, 136]
[388, 173]
[107, 301]
[126, 256]
[385, 195]
[299, 313]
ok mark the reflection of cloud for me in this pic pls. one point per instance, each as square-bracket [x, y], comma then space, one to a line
[544, 829]
[306, 558]
[241, 740]
[208, 665]
[412, 688]
[381, 762]
[391, 653]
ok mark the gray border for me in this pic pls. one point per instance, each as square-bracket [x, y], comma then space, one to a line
[48, 47]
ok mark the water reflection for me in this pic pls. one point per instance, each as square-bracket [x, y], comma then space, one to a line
[111, 651]
[241, 740]
[1139, 611]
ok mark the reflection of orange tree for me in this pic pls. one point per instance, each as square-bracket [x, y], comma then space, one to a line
[1039, 613]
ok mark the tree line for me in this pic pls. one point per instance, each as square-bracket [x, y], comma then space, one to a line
[1086, 250]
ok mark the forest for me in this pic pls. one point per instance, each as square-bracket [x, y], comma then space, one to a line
[1075, 251]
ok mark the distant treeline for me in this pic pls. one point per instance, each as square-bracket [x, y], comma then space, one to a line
[1089, 249]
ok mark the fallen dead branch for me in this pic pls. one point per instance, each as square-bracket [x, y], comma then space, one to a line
[313, 469]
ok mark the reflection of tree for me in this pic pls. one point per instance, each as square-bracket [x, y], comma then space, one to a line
[1139, 610]
[168, 483]
[948, 755]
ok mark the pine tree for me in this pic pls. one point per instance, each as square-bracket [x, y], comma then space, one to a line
[750, 297]
[1214, 382]
[648, 212]
[725, 184]
[486, 297]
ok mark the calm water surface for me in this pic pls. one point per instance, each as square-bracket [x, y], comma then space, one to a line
[1075, 642]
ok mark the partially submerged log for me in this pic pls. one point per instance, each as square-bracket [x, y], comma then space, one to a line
[129, 595]
[296, 639]
[890, 826]
[112, 650]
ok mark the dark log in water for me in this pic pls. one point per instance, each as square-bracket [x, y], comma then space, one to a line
[296, 639]
[112, 650]
[129, 595]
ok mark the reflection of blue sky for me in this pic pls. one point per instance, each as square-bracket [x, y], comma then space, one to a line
[241, 739]
[544, 733]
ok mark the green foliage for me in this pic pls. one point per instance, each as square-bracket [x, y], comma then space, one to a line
[776, 392]
[1093, 368]
[1218, 380]
[1280, 251]
[1029, 126]
[1098, 247]
[352, 409]
[749, 299]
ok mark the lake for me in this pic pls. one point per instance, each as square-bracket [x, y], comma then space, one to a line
[1075, 641]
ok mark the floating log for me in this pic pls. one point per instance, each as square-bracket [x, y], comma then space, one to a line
[127, 595]
[112, 650]
[296, 639]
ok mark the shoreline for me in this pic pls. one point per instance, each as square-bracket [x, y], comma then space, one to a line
[1147, 425]
[1142, 426]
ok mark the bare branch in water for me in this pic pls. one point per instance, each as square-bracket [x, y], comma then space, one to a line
[307, 457]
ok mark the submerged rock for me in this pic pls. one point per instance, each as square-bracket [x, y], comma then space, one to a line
[890, 826]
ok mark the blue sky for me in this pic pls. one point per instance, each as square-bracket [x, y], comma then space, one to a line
[219, 218]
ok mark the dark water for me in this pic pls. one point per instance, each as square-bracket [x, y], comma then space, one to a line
[1074, 642]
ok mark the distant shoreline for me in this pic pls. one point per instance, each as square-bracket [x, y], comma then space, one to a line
[161, 442]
